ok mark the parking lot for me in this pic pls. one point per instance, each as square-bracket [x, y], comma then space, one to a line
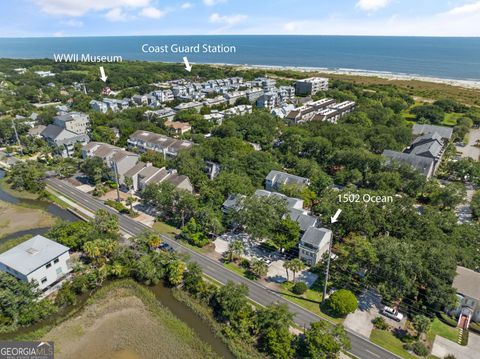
[276, 272]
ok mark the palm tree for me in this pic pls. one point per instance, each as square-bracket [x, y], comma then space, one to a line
[130, 201]
[296, 266]
[259, 268]
[235, 249]
[288, 266]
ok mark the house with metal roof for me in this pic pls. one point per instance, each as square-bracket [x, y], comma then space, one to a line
[38, 260]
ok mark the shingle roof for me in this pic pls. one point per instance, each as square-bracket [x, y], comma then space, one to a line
[444, 132]
[52, 131]
[315, 236]
[467, 282]
[432, 148]
[32, 254]
[423, 164]
[135, 169]
[285, 178]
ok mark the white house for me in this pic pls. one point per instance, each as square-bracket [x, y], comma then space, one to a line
[39, 260]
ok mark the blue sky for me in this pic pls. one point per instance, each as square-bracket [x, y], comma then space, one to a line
[24, 18]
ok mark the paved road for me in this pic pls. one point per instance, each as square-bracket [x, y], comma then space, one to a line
[361, 346]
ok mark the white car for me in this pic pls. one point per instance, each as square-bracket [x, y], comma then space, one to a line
[392, 313]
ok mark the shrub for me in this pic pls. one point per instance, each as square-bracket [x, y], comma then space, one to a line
[474, 327]
[449, 356]
[245, 263]
[343, 302]
[299, 288]
[448, 320]
[380, 323]
[420, 349]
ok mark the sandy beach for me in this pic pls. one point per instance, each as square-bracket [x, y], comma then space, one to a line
[469, 84]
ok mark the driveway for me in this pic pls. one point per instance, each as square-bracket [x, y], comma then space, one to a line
[369, 305]
[470, 150]
[276, 273]
[443, 347]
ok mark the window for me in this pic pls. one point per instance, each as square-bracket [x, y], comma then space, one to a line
[43, 280]
[55, 261]
[48, 265]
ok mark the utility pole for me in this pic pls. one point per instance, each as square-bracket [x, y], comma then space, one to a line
[116, 180]
[333, 220]
[327, 270]
[16, 136]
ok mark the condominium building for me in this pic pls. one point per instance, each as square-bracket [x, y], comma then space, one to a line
[311, 86]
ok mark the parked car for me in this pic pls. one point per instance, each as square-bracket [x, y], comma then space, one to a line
[392, 313]
[165, 247]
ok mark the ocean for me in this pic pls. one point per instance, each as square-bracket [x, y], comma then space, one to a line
[445, 58]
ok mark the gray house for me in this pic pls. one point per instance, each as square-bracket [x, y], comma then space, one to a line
[115, 157]
[64, 139]
[467, 284]
[276, 179]
[314, 243]
[424, 154]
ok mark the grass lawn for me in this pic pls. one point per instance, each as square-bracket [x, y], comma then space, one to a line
[443, 330]
[310, 300]
[451, 119]
[234, 268]
[388, 341]
[166, 229]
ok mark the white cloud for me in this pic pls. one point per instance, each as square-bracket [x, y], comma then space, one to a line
[372, 5]
[152, 12]
[213, 2]
[116, 14]
[466, 9]
[229, 20]
[81, 7]
[73, 23]
[186, 5]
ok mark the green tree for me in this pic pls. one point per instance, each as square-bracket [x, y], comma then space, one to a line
[106, 223]
[296, 265]
[286, 235]
[235, 250]
[232, 306]
[322, 340]
[259, 268]
[273, 324]
[27, 176]
[260, 216]
[99, 251]
[192, 279]
[96, 170]
[175, 270]
[130, 201]
[343, 302]
[193, 233]
[421, 324]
